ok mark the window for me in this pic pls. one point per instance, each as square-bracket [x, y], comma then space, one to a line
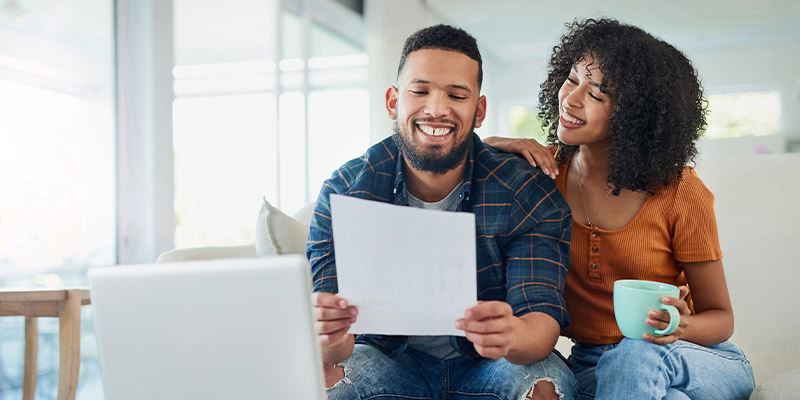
[57, 168]
[523, 122]
[259, 111]
[739, 114]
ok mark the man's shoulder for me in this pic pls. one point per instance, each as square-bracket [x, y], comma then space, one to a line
[508, 170]
[379, 159]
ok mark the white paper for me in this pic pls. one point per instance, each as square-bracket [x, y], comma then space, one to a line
[409, 271]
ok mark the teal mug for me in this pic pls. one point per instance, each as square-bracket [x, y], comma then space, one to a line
[633, 299]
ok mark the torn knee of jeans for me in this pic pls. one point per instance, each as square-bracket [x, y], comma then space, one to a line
[336, 376]
[545, 391]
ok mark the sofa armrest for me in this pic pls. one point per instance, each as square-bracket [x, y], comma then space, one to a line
[207, 253]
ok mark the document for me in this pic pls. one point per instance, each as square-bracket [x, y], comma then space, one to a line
[409, 271]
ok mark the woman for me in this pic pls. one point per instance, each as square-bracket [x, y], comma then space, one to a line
[624, 111]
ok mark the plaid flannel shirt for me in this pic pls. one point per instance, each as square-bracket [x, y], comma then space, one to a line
[523, 228]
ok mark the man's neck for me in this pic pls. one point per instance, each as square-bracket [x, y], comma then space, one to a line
[430, 187]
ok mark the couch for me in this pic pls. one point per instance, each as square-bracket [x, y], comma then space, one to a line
[757, 204]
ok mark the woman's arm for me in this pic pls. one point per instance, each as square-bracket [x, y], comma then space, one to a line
[529, 149]
[713, 319]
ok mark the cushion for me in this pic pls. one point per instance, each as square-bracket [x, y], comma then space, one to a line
[278, 233]
[785, 385]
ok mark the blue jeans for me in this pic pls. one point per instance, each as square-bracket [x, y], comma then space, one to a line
[637, 369]
[371, 374]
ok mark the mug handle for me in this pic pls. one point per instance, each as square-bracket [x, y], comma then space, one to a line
[674, 320]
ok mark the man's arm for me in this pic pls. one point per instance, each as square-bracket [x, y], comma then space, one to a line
[333, 316]
[526, 327]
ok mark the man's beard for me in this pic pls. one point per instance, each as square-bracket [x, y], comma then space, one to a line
[428, 161]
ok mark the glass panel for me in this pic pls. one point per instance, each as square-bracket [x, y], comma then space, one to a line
[326, 43]
[292, 37]
[224, 118]
[338, 131]
[224, 162]
[523, 122]
[57, 170]
[744, 114]
[292, 152]
[211, 32]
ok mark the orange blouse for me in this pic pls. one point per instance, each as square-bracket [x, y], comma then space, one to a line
[675, 225]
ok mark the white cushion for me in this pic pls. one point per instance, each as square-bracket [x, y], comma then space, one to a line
[207, 253]
[278, 233]
[785, 385]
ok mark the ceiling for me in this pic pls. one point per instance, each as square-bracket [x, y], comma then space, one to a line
[512, 30]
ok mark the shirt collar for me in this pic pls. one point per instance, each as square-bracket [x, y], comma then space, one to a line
[400, 183]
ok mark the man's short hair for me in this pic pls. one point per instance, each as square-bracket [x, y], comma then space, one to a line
[443, 37]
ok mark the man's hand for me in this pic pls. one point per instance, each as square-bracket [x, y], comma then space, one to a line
[333, 318]
[490, 326]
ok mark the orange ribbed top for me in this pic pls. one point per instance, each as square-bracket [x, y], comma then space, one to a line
[676, 224]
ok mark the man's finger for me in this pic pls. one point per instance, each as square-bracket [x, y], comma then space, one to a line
[329, 327]
[329, 314]
[488, 309]
[332, 338]
[328, 300]
[484, 326]
[490, 340]
[493, 352]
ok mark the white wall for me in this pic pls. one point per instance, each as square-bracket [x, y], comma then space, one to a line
[754, 66]
[388, 23]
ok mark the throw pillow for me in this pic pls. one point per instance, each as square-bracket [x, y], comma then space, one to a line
[278, 233]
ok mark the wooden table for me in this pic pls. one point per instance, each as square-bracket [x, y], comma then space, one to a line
[64, 304]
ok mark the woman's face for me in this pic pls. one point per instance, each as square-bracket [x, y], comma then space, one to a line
[584, 109]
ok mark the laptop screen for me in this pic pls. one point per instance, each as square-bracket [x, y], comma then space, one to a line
[216, 329]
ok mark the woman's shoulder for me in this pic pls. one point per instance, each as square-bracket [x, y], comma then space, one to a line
[690, 183]
[688, 194]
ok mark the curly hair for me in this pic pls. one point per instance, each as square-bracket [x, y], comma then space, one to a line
[442, 37]
[659, 110]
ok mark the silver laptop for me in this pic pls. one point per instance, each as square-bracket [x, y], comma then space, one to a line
[217, 329]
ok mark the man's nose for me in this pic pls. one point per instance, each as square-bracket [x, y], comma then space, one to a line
[437, 105]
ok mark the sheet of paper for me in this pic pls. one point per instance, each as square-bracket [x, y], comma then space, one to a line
[410, 271]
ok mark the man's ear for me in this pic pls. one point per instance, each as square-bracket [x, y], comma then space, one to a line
[480, 111]
[391, 102]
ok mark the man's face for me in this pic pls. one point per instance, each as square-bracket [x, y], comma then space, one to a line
[436, 105]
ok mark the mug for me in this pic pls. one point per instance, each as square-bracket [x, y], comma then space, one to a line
[633, 299]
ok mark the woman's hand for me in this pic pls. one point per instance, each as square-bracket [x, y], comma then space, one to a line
[529, 149]
[659, 319]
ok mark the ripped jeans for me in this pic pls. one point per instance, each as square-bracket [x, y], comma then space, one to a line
[371, 374]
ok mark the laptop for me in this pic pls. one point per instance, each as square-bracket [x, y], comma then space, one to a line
[216, 329]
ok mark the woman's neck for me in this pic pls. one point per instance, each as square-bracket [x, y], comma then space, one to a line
[592, 162]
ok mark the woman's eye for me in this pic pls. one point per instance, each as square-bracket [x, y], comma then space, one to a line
[573, 81]
[595, 97]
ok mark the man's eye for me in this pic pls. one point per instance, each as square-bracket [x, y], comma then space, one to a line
[458, 97]
[418, 91]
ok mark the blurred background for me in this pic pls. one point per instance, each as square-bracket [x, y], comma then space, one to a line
[131, 127]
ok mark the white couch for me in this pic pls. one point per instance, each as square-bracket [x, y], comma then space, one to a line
[757, 204]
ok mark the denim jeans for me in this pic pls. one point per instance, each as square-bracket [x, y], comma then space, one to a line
[371, 374]
[637, 369]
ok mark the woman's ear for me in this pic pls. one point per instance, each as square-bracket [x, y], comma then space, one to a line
[391, 102]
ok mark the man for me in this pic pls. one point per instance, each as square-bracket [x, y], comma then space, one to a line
[435, 160]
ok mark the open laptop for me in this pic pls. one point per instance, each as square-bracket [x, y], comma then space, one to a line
[216, 329]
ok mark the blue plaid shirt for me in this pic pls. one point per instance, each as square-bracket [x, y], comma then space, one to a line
[523, 228]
